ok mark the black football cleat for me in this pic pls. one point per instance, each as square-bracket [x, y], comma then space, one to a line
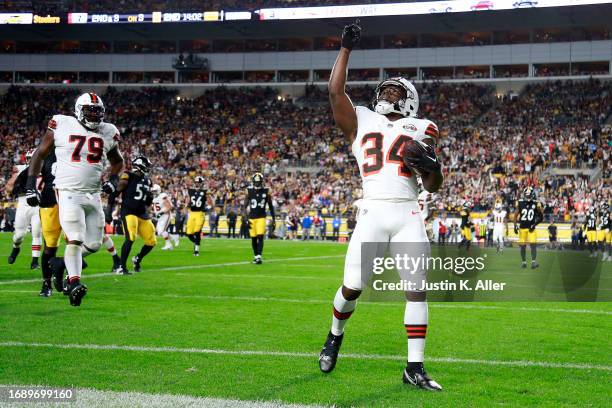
[196, 253]
[46, 290]
[523, 265]
[34, 264]
[76, 292]
[329, 354]
[13, 256]
[257, 260]
[136, 263]
[534, 265]
[418, 377]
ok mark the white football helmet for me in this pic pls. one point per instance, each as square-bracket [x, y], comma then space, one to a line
[408, 106]
[89, 110]
[156, 189]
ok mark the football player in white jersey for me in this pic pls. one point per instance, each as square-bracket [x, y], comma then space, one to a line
[388, 212]
[163, 212]
[26, 216]
[81, 143]
[499, 226]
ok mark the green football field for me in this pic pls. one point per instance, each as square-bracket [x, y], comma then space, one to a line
[217, 326]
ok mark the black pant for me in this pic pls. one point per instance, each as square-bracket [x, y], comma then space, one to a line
[214, 230]
[231, 231]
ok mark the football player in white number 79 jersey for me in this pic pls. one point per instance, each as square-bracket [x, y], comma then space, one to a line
[81, 144]
[388, 212]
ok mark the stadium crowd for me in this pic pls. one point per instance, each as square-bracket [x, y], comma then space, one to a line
[491, 147]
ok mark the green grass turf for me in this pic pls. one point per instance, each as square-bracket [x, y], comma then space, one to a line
[253, 307]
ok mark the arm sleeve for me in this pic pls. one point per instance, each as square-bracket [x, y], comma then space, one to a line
[53, 122]
[539, 214]
[431, 132]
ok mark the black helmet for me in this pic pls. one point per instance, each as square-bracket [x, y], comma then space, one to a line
[257, 180]
[141, 163]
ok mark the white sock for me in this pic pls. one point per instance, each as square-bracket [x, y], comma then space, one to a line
[196, 248]
[35, 250]
[415, 322]
[175, 238]
[73, 259]
[109, 245]
[343, 309]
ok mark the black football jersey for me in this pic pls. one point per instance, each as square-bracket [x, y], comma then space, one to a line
[19, 188]
[591, 221]
[135, 199]
[257, 200]
[528, 213]
[47, 195]
[197, 199]
[604, 220]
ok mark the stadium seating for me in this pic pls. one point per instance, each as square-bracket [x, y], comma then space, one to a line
[491, 147]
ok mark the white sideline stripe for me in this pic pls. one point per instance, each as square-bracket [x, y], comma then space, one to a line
[87, 397]
[187, 267]
[434, 305]
[169, 349]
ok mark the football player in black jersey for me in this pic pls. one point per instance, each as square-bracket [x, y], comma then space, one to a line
[590, 226]
[196, 201]
[466, 227]
[528, 215]
[134, 187]
[50, 225]
[258, 197]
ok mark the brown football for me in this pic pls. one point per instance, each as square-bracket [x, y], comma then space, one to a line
[413, 149]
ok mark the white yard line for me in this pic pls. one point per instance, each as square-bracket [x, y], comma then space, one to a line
[170, 349]
[86, 397]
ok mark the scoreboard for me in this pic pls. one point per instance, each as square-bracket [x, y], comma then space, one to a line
[154, 17]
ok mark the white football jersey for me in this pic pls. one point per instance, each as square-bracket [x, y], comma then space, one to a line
[158, 203]
[498, 217]
[378, 148]
[81, 153]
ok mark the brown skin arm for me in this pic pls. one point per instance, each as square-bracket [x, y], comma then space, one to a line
[45, 147]
[517, 214]
[342, 107]
[432, 181]
[10, 184]
[116, 161]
